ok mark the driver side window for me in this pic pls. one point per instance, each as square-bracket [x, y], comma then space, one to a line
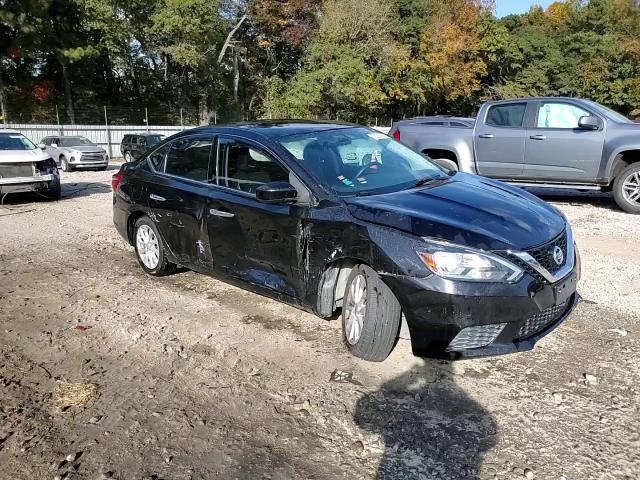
[243, 167]
[559, 115]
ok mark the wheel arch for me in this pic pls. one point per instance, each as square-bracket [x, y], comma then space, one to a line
[334, 280]
[131, 223]
[620, 160]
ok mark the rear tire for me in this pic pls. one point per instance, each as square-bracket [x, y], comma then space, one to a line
[150, 249]
[626, 189]
[376, 313]
[446, 163]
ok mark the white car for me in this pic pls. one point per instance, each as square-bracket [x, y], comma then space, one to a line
[74, 152]
[25, 167]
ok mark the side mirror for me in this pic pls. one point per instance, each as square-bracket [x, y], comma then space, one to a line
[42, 146]
[276, 192]
[589, 123]
[54, 145]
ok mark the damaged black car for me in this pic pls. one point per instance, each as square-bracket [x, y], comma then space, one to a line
[337, 218]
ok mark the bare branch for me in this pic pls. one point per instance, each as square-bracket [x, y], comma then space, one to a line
[229, 37]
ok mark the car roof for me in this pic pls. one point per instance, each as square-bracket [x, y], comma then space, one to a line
[9, 131]
[275, 128]
[143, 134]
[535, 99]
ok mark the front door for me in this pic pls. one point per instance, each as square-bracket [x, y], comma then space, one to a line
[178, 197]
[499, 140]
[557, 149]
[251, 240]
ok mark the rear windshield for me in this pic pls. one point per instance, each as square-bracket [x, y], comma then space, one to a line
[74, 141]
[15, 141]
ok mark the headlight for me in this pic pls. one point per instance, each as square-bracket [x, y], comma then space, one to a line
[456, 262]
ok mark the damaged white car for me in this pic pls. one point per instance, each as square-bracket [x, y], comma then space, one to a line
[26, 168]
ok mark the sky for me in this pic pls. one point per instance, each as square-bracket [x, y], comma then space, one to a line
[507, 7]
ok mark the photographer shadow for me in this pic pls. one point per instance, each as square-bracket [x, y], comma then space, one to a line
[430, 427]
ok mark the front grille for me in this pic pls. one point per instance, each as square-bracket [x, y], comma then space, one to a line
[92, 157]
[541, 320]
[12, 170]
[544, 254]
[475, 337]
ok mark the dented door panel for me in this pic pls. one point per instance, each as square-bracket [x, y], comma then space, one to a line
[254, 241]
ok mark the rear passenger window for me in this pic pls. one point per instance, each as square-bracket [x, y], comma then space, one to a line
[244, 167]
[157, 158]
[189, 158]
[506, 115]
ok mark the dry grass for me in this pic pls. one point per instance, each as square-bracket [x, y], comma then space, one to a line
[74, 394]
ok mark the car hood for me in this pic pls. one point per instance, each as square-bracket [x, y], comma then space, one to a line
[467, 210]
[15, 156]
[86, 149]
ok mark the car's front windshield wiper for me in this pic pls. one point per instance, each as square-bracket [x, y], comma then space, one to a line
[424, 181]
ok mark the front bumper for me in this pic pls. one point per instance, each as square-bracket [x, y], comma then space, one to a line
[508, 317]
[28, 184]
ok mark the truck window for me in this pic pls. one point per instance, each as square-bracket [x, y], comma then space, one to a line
[559, 115]
[506, 115]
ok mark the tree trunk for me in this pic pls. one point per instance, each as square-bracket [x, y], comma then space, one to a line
[204, 115]
[236, 77]
[67, 93]
[3, 102]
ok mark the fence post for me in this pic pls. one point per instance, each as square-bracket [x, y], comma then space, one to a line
[106, 124]
[146, 118]
[181, 124]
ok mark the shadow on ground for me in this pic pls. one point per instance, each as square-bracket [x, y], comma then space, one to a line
[430, 427]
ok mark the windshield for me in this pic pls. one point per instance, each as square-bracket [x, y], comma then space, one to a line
[15, 141]
[153, 140]
[74, 141]
[611, 114]
[358, 160]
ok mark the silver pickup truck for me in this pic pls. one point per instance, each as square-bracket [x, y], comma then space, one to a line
[537, 142]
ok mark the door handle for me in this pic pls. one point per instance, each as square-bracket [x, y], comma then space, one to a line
[486, 135]
[221, 213]
[538, 137]
[157, 198]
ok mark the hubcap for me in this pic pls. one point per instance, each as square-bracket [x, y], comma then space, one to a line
[355, 309]
[631, 189]
[148, 247]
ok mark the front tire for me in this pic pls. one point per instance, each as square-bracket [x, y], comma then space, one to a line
[150, 250]
[626, 189]
[127, 157]
[64, 165]
[371, 315]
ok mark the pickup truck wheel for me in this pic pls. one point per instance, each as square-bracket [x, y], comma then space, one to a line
[626, 189]
[446, 163]
[127, 157]
[150, 249]
[370, 315]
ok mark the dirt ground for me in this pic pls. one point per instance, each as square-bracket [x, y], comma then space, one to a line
[108, 373]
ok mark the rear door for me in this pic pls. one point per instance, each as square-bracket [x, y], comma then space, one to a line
[178, 198]
[499, 140]
[251, 240]
[557, 149]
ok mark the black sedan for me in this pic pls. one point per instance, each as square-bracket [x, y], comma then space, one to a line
[332, 217]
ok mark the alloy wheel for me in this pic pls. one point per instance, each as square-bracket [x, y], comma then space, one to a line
[355, 309]
[631, 189]
[148, 247]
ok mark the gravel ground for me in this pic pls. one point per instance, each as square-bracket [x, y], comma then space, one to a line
[109, 373]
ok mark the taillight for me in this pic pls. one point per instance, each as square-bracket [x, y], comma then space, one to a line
[396, 135]
[115, 180]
